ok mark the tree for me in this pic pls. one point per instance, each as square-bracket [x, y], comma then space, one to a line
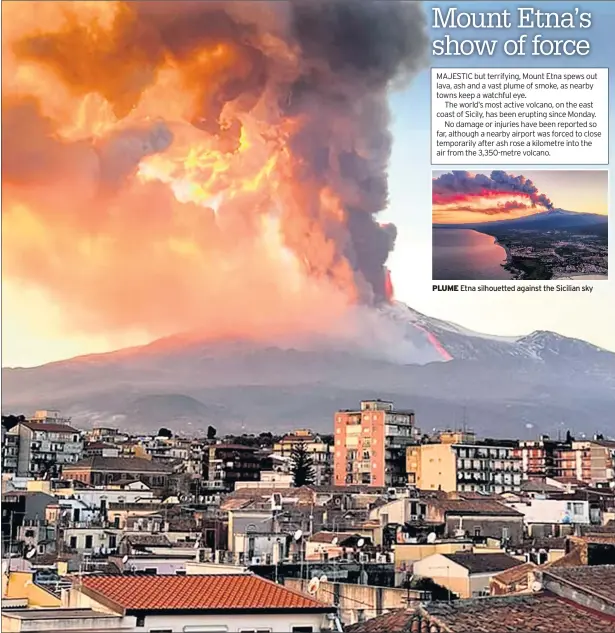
[438, 592]
[165, 433]
[301, 465]
[211, 432]
[9, 421]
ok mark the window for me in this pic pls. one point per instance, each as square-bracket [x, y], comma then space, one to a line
[476, 531]
[140, 621]
[88, 541]
[73, 542]
[302, 629]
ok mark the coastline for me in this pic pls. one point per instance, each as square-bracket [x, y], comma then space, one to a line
[497, 243]
[508, 255]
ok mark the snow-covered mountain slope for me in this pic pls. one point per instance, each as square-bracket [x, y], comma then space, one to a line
[499, 385]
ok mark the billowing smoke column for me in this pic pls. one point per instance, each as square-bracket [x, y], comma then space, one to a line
[462, 186]
[215, 164]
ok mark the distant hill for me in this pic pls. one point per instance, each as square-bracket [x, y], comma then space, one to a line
[556, 219]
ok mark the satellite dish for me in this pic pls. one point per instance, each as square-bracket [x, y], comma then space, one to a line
[361, 542]
[536, 586]
[31, 553]
[297, 535]
[313, 585]
[431, 537]
[125, 559]
[323, 578]
[335, 540]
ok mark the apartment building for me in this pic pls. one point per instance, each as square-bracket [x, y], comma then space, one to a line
[458, 462]
[370, 444]
[538, 457]
[590, 461]
[320, 451]
[41, 446]
[229, 463]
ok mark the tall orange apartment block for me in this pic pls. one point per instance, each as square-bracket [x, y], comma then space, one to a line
[370, 445]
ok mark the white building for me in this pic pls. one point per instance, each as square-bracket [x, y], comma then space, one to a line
[552, 512]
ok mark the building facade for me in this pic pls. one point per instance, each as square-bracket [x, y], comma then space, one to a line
[41, 446]
[592, 462]
[229, 463]
[320, 452]
[370, 444]
[538, 457]
[104, 471]
[458, 462]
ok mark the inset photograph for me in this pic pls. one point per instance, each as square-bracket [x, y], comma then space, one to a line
[527, 224]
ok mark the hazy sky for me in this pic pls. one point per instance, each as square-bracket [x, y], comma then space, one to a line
[34, 332]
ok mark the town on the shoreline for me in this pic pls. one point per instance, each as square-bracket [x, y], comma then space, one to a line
[375, 525]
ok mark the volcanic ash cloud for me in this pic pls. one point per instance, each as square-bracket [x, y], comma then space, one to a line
[509, 192]
[180, 165]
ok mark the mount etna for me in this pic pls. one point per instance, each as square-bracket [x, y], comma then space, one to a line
[499, 386]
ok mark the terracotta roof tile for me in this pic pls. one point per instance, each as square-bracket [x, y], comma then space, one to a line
[597, 579]
[327, 537]
[541, 612]
[397, 621]
[303, 496]
[50, 427]
[197, 593]
[514, 614]
[475, 506]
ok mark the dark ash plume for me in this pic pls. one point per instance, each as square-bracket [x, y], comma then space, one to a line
[457, 185]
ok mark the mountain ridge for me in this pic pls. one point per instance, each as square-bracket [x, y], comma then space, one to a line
[501, 385]
[552, 219]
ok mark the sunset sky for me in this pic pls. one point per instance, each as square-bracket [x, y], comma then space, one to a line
[38, 327]
[582, 191]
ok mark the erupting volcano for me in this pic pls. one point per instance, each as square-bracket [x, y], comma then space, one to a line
[207, 166]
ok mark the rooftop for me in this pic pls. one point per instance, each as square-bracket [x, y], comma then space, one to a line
[117, 464]
[474, 506]
[342, 537]
[515, 614]
[597, 579]
[242, 496]
[484, 563]
[50, 427]
[147, 540]
[55, 614]
[244, 593]
[514, 574]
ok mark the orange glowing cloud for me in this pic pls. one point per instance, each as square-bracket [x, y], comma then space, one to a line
[214, 166]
